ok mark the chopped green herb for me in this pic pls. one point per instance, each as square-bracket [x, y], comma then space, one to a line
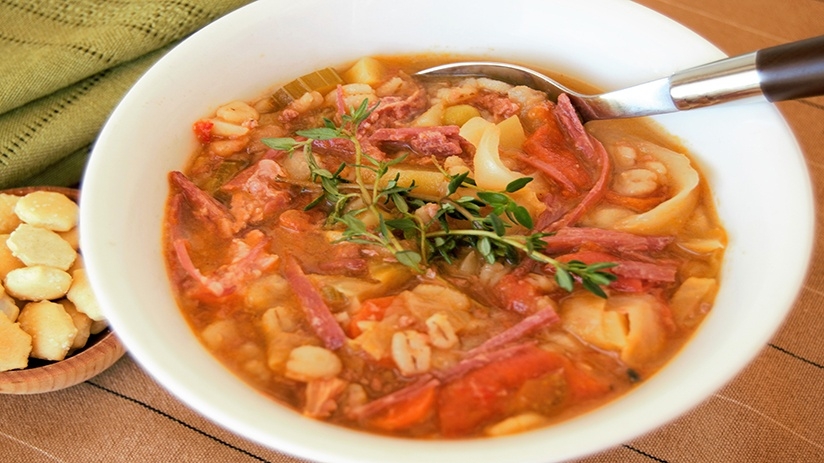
[482, 220]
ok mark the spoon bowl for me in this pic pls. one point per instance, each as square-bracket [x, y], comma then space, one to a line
[784, 72]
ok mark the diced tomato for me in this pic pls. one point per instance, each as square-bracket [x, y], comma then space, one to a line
[402, 415]
[583, 386]
[516, 294]
[296, 220]
[482, 394]
[370, 310]
[549, 145]
[203, 130]
[485, 394]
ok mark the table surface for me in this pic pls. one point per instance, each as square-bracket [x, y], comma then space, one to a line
[772, 411]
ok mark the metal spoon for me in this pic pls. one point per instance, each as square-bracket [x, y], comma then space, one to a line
[784, 72]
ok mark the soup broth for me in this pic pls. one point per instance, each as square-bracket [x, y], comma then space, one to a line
[438, 258]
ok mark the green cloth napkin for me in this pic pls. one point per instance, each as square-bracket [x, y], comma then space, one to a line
[64, 66]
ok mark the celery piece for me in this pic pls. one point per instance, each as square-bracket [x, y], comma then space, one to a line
[322, 81]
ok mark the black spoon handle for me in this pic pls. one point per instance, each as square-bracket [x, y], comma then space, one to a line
[792, 70]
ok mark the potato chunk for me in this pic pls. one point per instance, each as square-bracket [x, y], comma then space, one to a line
[39, 246]
[47, 209]
[366, 71]
[51, 329]
[692, 301]
[15, 345]
[587, 316]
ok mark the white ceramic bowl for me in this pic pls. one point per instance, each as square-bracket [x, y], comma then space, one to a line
[751, 159]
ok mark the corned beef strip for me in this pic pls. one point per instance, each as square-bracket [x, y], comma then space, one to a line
[435, 141]
[317, 312]
[528, 324]
[592, 149]
[478, 360]
[202, 205]
[645, 271]
[569, 238]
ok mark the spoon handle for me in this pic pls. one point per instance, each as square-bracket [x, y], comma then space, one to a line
[784, 72]
[793, 70]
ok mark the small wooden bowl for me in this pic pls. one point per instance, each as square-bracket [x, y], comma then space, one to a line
[100, 352]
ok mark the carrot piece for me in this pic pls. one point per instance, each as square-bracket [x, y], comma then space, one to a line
[402, 415]
[371, 310]
[634, 204]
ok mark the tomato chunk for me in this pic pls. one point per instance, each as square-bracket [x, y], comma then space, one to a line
[488, 393]
[482, 395]
[516, 294]
[203, 130]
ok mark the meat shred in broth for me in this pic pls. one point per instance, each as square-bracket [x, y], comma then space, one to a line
[441, 258]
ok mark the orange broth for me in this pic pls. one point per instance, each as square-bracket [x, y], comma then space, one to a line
[403, 308]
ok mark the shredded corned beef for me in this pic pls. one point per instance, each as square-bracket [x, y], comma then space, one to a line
[317, 312]
[567, 239]
[439, 141]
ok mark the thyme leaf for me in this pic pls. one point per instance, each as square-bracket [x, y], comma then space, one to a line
[490, 222]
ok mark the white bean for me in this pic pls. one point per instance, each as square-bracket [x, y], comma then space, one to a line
[525, 96]
[635, 182]
[227, 147]
[353, 95]
[307, 102]
[624, 156]
[307, 363]
[493, 85]
[657, 167]
[222, 128]
[237, 112]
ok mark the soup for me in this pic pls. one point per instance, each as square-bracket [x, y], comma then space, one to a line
[437, 258]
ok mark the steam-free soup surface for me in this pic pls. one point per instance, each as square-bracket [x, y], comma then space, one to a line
[438, 258]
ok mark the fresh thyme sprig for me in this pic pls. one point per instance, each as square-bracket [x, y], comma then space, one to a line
[479, 220]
